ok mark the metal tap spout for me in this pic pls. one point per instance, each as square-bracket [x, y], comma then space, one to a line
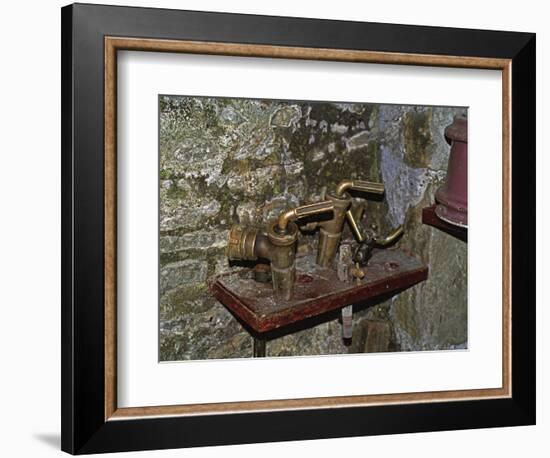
[331, 231]
[277, 244]
[303, 211]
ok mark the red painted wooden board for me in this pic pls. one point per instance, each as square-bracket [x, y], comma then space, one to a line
[430, 218]
[317, 290]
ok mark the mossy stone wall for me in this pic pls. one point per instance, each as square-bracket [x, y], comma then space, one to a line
[224, 161]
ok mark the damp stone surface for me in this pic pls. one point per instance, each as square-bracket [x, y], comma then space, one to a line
[227, 161]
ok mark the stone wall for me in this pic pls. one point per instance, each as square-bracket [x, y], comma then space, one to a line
[224, 161]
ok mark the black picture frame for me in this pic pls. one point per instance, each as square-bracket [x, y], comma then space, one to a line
[84, 427]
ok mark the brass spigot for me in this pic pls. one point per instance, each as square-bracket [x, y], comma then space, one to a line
[277, 244]
[331, 231]
[364, 251]
[303, 211]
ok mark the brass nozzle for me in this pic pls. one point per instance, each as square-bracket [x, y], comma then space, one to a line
[277, 244]
[302, 211]
[331, 231]
[359, 185]
[383, 241]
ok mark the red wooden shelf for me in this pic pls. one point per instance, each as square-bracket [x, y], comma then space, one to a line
[317, 290]
[430, 218]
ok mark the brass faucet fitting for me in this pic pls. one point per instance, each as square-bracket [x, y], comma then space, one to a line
[277, 244]
[247, 244]
[283, 256]
[331, 231]
[359, 185]
[364, 250]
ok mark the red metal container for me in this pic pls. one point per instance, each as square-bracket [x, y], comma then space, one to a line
[452, 197]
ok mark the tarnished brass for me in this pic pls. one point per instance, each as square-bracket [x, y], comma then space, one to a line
[302, 211]
[277, 244]
[247, 244]
[330, 231]
[283, 235]
[354, 227]
[390, 238]
[262, 273]
[357, 272]
[359, 185]
[364, 250]
[283, 254]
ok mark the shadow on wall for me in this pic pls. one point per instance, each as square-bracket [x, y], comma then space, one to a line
[52, 440]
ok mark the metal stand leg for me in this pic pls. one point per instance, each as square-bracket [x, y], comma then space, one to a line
[259, 348]
[347, 325]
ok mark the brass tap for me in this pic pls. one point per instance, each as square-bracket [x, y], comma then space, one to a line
[277, 244]
[364, 250]
[331, 231]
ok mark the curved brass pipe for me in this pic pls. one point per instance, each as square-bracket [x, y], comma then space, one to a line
[277, 245]
[331, 231]
[392, 237]
[304, 210]
[359, 185]
[285, 218]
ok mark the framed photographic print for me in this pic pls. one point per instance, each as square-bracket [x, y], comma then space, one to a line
[280, 228]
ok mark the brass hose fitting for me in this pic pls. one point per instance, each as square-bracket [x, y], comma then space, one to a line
[331, 231]
[247, 244]
[353, 215]
[283, 256]
[277, 244]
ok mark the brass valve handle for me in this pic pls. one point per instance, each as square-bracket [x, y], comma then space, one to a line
[363, 186]
[364, 250]
[360, 185]
[379, 241]
[302, 211]
[354, 227]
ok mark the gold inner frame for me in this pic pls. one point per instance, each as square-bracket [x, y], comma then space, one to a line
[114, 44]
